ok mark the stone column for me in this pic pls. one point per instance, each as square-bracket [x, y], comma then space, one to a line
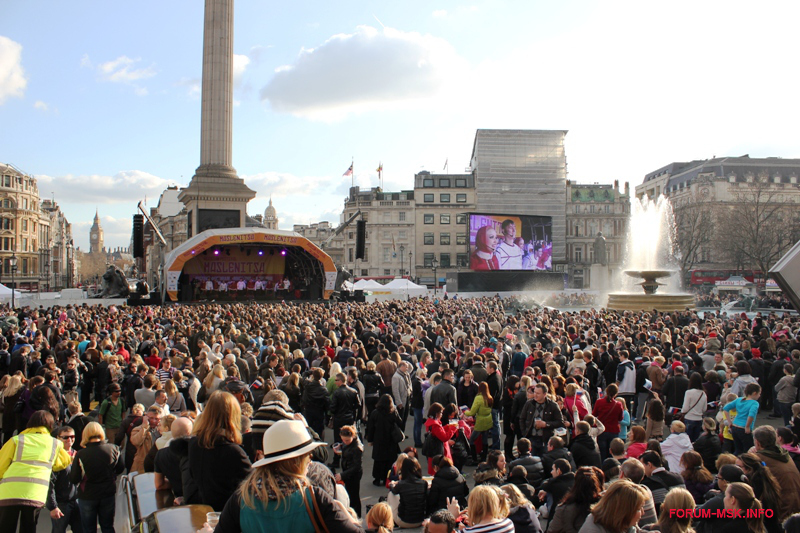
[216, 196]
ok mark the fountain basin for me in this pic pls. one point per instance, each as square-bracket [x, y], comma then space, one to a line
[639, 301]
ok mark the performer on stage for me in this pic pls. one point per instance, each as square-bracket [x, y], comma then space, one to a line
[483, 257]
[509, 255]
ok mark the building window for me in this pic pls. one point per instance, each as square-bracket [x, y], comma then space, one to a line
[462, 260]
[444, 198]
[577, 209]
[444, 260]
[427, 182]
[444, 239]
[578, 255]
[350, 235]
[444, 218]
[387, 216]
[386, 236]
[24, 244]
[24, 224]
[444, 182]
[365, 272]
[24, 265]
[402, 216]
[461, 218]
[461, 239]
[366, 255]
[427, 238]
[387, 254]
[428, 218]
[427, 259]
[461, 182]
[401, 235]
[7, 223]
[427, 198]
[461, 198]
[387, 272]
[350, 254]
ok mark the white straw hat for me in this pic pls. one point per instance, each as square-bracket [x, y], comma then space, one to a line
[286, 439]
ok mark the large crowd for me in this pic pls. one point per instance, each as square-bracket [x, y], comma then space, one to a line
[474, 417]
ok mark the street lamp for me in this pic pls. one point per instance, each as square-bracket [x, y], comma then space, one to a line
[13, 262]
[434, 266]
[47, 274]
[410, 254]
[402, 254]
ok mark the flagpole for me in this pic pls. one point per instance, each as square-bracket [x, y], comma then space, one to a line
[352, 174]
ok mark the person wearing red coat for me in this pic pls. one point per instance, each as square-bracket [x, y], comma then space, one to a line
[573, 401]
[608, 410]
[444, 433]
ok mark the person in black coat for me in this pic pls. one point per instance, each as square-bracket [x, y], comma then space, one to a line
[408, 497]
[316, 401]
[532, 464]
[379, 434]
[708, 445]
[556, 451]
[352, 452]
[584, 448]
[345, 409]
[94, 470]
[373, 383]
[63, 495]
[447, 483]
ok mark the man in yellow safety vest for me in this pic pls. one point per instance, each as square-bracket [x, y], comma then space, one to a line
[26, 463]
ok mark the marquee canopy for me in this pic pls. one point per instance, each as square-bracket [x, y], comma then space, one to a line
[245, 237]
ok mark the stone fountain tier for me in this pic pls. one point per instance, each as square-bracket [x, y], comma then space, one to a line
[650, 299]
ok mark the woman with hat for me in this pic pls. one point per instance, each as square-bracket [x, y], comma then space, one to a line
[276, 496]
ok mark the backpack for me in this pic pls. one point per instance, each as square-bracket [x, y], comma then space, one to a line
[432, 445]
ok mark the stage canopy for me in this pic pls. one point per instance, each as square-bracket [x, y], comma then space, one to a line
[246, 253]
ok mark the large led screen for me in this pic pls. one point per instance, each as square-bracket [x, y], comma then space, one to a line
[510, 242]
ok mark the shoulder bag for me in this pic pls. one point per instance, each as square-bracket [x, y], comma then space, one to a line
[313, 511]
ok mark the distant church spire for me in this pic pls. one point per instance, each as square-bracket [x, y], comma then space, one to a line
[270, 216]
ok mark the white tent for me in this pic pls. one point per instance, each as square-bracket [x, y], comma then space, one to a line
[5, 293]
[347, 286]
[367, 285]
[403, 284]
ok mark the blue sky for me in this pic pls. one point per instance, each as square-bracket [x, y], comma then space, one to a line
[100, 100]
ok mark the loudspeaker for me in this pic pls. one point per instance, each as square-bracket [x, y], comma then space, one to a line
[361, 238]
[138, 236]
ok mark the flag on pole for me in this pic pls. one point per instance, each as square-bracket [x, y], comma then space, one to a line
[445, 163]
[380, 168]
[394, 248]
[349, 171]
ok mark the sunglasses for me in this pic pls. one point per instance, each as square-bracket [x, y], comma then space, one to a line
[67, 437]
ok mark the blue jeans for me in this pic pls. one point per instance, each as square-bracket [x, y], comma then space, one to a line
[419, 421]
[604, 443]
[693, 429]
[495, 431]
[101, 510]
[72, 518]
[785, 409]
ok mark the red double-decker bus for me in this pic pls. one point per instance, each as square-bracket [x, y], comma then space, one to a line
[701, 277]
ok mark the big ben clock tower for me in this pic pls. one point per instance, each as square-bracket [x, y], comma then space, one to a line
[96, 236]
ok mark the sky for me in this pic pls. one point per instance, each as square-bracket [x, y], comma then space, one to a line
[101, 100]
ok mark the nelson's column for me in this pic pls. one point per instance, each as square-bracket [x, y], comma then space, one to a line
[216, 197]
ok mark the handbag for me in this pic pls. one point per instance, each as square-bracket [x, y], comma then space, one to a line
[432, 446]
[397, 434]
[315, 515]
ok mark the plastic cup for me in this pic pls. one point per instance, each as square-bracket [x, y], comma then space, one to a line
[212, 519]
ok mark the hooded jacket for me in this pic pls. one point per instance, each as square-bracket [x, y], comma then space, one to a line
[447, 483]
[585, 452]
[783, 468]
[673, 447]
[486, 475]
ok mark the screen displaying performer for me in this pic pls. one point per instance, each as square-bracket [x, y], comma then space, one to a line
[510, 242]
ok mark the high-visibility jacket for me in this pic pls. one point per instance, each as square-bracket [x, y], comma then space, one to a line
[26, 463]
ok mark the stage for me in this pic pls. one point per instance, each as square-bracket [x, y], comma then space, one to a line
[247, 264]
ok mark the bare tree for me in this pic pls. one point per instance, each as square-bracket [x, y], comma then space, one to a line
[694, 225]
[760, 225]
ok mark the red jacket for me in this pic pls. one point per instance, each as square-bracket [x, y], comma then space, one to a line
[444, 434]
[609, 412]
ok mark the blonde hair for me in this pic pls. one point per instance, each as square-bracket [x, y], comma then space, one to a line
[571, 389]
[677, 427]
[220, 418]
[619, 505]
[515, 496]
[380, 518]
[725, 459]
[484, 504]
[170, 388]
[216, 371]
[166, 421]
[15, 385]
[670, 521]
[263, 481]
[138, 407]
[92, 431]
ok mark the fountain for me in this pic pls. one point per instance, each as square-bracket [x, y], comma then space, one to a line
[650, 239]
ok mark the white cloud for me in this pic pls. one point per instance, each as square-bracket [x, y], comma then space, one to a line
[361, 71]
[240, 63]
[122, 70]
[193, 87]
[41, 106]
[122, 187]
[12, 75]
[282, 184]
[440, 13]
